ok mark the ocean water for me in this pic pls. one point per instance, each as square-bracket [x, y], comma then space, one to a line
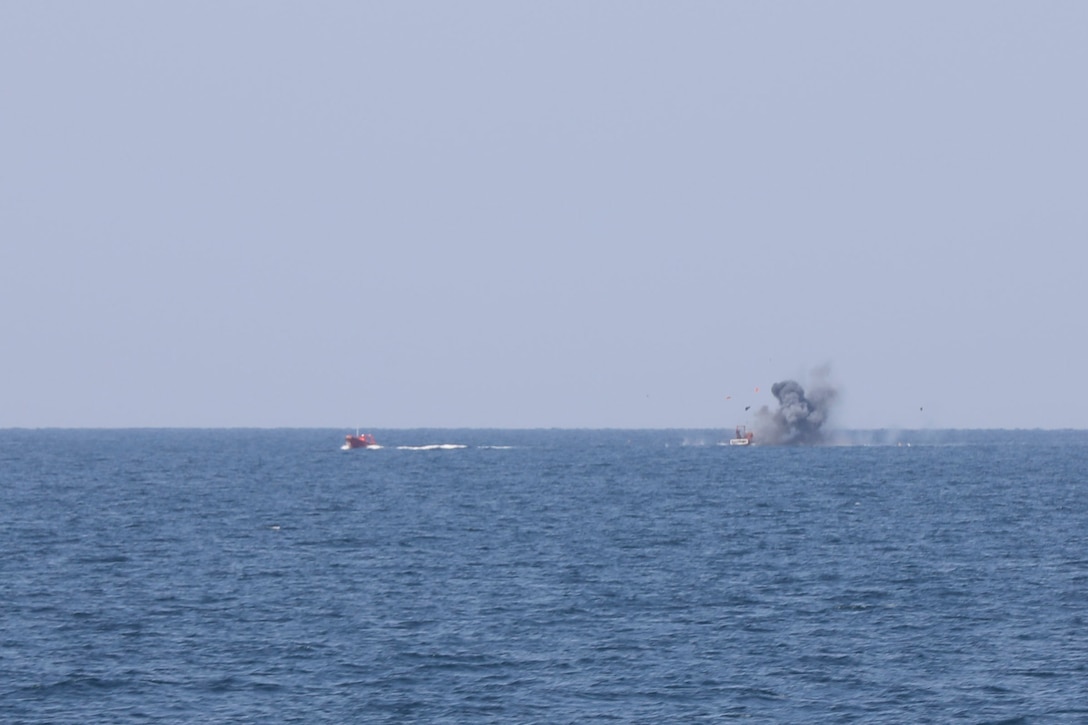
[467, 576]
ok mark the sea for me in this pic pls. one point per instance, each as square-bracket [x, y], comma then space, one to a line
[542, 576]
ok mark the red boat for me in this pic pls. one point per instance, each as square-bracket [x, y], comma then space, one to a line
[364, 440]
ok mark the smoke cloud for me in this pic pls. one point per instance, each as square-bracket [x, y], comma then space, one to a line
[800, 418]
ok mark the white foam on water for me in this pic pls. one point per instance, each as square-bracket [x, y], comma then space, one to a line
[433, 447]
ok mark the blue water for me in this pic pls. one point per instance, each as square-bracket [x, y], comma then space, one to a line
[542, 577]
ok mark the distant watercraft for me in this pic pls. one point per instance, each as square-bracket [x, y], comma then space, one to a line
[359, 440]
[742, 437]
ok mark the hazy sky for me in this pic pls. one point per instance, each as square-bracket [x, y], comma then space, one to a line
[523, 214]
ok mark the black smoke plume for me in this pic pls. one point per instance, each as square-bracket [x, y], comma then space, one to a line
[799, 419]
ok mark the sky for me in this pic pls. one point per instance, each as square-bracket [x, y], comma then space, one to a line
[601, 213]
